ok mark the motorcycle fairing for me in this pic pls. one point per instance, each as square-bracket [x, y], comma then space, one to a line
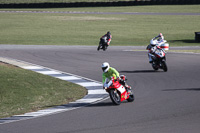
[123, 92]
[159, 54]
[121, 89]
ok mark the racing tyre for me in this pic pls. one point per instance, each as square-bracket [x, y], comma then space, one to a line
[154, 66]
[131, 97]
[104, 48]
[164, 66]
[98, 48]
[115, 97]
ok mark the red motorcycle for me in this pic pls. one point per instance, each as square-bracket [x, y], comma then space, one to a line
[117, 92]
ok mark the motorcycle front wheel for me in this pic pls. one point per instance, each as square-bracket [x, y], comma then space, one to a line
[164, 65]
[98, 48]
[115, 97]
[131, 97]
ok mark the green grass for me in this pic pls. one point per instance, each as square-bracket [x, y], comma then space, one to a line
[23, 91]
[86, 29]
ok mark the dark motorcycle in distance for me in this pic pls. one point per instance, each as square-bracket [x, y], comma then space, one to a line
[102, 44]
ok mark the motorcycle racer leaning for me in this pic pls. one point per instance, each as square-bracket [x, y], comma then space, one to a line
[109, 72]
[108, 36]
[153, 44]
[160, 37]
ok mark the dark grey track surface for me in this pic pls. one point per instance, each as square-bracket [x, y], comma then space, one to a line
[166, 102]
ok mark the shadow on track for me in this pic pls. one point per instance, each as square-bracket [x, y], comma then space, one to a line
[105, 104]
[186, 89]
[69, 105]
[140, 71]
[102, 104]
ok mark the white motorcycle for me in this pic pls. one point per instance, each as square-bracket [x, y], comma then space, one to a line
[159, 59]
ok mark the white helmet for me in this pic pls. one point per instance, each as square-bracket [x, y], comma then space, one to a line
[105, 67]
[161, 37]
[153, 42]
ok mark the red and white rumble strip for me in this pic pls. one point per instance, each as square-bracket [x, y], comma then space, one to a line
[95, 91]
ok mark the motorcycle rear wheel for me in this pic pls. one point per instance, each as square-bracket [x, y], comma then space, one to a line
[99, 47]
[154, 66]
[104, 48]
[115, 97]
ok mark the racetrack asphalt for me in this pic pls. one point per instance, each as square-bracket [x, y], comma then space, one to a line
[165, 101]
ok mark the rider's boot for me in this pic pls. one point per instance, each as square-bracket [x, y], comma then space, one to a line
[150, 59]
[128, 88]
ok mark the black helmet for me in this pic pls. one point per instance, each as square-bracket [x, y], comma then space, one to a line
[108, 33]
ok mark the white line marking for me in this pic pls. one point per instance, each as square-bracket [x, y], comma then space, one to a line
[40, 113]
[91, 100]
[48, 72]
[68, 78]
[88, 84]
[31, 67]
[97, 91]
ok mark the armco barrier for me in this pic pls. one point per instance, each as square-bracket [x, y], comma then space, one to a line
[101, 4]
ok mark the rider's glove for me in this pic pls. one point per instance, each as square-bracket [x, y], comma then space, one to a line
[120, 79]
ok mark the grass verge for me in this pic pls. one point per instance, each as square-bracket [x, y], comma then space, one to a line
[24, 91]
[86, 29]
